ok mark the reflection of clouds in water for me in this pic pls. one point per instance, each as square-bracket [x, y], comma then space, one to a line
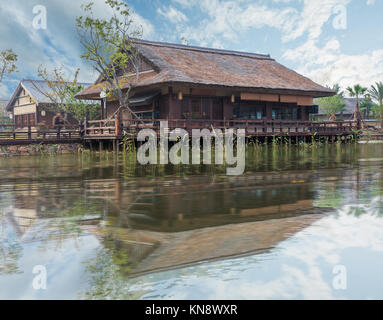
[354, 226]
[300, 267]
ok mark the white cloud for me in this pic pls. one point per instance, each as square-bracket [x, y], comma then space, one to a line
[228, 19]
[172, 14]
[185, 3]
[56, 46]
[370, 2]
[328, 65]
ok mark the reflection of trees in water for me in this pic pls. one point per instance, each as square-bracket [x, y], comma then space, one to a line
[10, 250]
[331, 197]
[374, 208]
[108, 272]
[68, 226]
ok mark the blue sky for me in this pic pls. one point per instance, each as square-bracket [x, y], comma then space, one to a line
[330, 41]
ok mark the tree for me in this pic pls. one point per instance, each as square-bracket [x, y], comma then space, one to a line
[376, 93]
[336, 87]
[331, 105]
[357, 91]
[61, 92]
[367, 106]
[108, 46]
[8, 61]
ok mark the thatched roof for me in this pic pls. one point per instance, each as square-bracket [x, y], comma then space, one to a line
[173, 63]
[37, 89]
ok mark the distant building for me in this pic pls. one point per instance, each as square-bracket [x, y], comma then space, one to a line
[30, 104]
[346, 114]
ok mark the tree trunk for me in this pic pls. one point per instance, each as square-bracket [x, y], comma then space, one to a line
[357, 117]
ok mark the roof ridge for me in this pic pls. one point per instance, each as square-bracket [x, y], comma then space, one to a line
[41, 80]
[204, 49]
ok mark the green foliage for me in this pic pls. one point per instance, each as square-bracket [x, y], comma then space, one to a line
[80, 108]
[367, 106]
[376, 93]
[8, 61]
[356, 91]
[377, 112]
[61, 92]
[331, 105]
[336, 87]
[108, 46]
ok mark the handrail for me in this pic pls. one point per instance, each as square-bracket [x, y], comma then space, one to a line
[114, 127]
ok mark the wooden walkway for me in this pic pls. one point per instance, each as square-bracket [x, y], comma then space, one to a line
[254, 128]
[116, 129]
[68, 134]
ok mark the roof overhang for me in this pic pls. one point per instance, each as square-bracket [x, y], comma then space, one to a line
[83, 95]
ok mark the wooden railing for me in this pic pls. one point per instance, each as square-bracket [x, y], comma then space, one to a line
[256, 127]
[9, 133]
[102, 128]
[115, 128]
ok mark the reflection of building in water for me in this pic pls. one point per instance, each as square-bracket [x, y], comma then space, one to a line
[150, 251]
[176, 222]
[20, 219]
[33, 202]
[179, 205]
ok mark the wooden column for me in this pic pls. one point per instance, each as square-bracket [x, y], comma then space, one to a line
[269, 111]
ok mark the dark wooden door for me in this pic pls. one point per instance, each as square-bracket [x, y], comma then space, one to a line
[217, 109]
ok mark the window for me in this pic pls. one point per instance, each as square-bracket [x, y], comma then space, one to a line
[196, 108]
[185, 109]
[249, 112]
[206, 109]
[285, 113]
[201, 108]
[217, 109]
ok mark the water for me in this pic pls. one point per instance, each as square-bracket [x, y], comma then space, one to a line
[110, 228]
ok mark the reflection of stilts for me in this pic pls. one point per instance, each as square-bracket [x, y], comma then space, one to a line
[110, 191]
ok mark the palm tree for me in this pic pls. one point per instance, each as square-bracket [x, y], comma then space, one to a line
[336, 87]
[376, 93]
[357, 91]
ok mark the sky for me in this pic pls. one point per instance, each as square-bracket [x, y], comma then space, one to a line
[329, 41]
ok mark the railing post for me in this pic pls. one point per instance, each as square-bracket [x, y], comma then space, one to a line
[84, 131]
[117, 125]
[29, 133]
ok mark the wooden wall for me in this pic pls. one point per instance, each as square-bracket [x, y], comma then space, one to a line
[170, 106]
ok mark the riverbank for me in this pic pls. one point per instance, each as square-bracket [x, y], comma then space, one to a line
[39, 149]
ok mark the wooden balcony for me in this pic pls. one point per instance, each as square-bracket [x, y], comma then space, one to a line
[115, 129]
[252, 127]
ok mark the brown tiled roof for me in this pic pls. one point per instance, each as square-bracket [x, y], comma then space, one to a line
[219, 68]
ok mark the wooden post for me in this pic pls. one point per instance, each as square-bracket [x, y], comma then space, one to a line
[85, 127]
[29, 133]
[117, 124]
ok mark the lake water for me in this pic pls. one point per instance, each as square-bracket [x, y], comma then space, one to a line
[301, 223]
